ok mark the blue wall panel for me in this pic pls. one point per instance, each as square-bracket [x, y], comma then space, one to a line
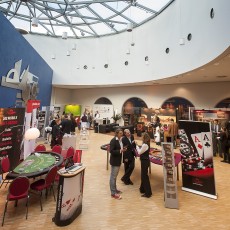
[14, 47]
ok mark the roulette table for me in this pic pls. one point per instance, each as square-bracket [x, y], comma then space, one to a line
[36, 164]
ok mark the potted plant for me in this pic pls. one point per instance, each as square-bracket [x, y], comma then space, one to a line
[116, 117]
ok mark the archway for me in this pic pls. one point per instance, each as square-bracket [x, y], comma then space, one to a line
[224, 103]
[103, 100]
[131, 110]
[180, 104]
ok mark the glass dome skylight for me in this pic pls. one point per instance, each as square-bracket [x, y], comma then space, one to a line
[80, 18]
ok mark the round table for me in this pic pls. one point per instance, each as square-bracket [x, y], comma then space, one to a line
[37, 164]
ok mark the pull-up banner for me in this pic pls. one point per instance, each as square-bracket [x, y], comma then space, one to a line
[197, 158]
[11, 133]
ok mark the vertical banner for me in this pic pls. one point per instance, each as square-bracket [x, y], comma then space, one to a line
[11, 134]
[197, 158]
[170, 183]
[31, 121]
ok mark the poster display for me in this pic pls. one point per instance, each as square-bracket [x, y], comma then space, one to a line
[73, 109]
[70, 195]
[104, 111]
[199, 114]
[170, 182]
[197, 158]
[11, 133]
[31, 121]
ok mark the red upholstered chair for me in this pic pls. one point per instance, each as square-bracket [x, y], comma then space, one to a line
[45, 184]
[5, 167]
[40, 147]
[70, 152]
[18, 189]
[57, 149]
[77, 156]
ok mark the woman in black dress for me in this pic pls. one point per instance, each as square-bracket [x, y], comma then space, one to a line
[143, 151]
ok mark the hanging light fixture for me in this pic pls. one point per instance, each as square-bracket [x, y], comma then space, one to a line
[64, 35]
[68, 53]
[129, 27]
[74, 47]
[82, 34]
[34, 22]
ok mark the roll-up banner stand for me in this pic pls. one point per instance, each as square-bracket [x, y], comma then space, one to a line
[197, 158]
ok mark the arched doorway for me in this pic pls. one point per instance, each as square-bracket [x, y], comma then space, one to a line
[224, 103]
[180, 104]
[103, 100]
[131, 110]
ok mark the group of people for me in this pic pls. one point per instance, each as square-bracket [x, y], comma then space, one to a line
[60, 127]
[172, 131]
[123, 148]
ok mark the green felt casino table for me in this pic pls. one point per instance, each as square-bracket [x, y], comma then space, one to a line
[36, 164]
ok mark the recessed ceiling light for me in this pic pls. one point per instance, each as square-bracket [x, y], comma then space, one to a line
[202, 69]
[217, 63]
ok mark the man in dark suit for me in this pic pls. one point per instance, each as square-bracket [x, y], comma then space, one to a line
[116, 151]
[215, 133]
[128, 156]
[66, 125]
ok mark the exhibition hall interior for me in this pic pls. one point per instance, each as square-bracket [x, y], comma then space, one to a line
[114, 114]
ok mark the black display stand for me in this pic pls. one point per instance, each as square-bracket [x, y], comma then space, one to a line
[69, 197]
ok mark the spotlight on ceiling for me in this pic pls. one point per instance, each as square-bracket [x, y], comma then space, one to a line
[64, 35]
[129, 27]
[34, 22]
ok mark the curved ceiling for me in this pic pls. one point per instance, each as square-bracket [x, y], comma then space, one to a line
[80, 18]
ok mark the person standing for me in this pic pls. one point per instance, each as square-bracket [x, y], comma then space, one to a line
[143, 151]
[57, 134]
[73, 124]
[66, 125]
[224, 137]
[215, 132]
[173, 131]
[128, 156]
[116, 151]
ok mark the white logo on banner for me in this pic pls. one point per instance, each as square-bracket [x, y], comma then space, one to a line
[27, 82]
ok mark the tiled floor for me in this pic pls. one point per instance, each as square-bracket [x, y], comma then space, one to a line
[100, 211]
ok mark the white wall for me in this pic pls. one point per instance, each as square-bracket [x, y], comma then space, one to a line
[210, 37]
[200, 95]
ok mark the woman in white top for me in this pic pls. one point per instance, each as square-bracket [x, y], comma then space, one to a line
[143, 151]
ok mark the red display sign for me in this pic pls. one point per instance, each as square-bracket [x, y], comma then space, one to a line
[11, 133]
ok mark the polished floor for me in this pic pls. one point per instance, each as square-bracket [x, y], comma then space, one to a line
[101, 212]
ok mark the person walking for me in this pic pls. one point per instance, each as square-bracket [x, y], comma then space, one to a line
[143, 151]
